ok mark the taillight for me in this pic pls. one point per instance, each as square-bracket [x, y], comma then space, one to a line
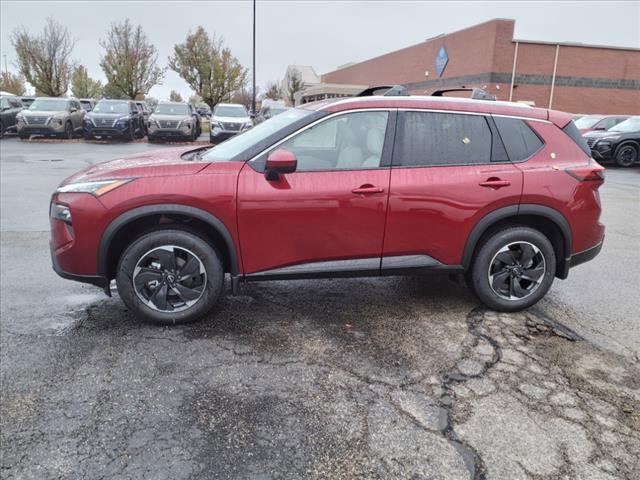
[593, 172]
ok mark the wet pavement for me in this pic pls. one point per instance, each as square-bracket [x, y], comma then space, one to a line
[353, 378]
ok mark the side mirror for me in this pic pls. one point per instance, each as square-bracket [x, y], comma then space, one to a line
[279, 162]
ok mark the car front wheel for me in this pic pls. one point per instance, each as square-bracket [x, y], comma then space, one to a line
[513, 268]
[170, 277]
[626, 155]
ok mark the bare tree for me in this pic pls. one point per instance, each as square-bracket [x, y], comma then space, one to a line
[130, 61]
[151, 102]
[273, 91]
[12, 83]
[175, 96]
[45, 60]
[294, 85]
[208, 67]
[83, 86]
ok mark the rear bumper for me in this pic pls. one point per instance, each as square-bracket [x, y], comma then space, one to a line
[586, 255]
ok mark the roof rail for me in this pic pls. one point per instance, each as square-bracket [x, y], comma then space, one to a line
[476, 93]
[389, 91]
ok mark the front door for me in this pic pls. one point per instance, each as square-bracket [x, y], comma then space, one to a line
[328, 216]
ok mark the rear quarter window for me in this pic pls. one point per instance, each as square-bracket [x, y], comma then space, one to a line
[519, 139]
[574, 134]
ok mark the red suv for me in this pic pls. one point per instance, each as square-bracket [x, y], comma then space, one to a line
[364, 186]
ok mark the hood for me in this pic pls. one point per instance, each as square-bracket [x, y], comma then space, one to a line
[603, 134]
[155, 163]
[43, 113]
[215, 118]
[93, 114]
[169, 118]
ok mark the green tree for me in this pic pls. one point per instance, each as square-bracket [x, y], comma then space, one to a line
[83, 86]
[130, 61]
[111, 91]
[208, 67]
[175, 96]
[273, 91]
[45, 60]
[294, 85]
[12, 83]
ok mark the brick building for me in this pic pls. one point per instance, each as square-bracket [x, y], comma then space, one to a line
[565, 76]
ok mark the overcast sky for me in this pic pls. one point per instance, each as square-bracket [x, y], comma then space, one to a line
[321, 34]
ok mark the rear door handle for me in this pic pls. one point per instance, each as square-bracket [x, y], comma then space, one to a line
[367, 189]
[495, 183]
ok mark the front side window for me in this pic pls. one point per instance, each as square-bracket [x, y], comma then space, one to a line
[352, 141]
[430, 138]
[4, 103]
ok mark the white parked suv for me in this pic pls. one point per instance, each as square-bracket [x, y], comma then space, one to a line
[227, 120]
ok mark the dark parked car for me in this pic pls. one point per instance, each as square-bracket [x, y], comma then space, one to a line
[115, 119]
[589, 123]
[87, 104]
[204, 111]
[620, 144]
[51, 116]
[173, 120]
[146, 112]
[9, 107]
[364, 186]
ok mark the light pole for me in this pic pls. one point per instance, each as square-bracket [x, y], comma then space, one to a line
[253, 93]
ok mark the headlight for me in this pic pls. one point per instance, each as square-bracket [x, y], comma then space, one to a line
[94, 188]
[603, 144]
[122, 122]
[153, 123]
[247, 126]
[61, 212]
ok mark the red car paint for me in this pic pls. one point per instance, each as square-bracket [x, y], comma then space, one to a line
[308, 216]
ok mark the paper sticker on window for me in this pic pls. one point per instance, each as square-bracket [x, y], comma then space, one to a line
[466, 140]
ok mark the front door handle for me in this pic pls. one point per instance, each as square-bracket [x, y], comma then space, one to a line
[495, 182]
[367, 189]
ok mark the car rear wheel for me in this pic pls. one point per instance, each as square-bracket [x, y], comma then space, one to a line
[513, 268]
[170, 277]
[626, 155]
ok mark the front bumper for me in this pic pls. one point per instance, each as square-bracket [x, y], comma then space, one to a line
[26, 129]
[161, 133]
[106, 131]
[90, 279]
[222, 135]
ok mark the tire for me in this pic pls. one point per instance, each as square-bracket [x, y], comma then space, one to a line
[201, 291]
[68, 131]
[626, 155]
[1, 130]
[131, 134]
[504, 263]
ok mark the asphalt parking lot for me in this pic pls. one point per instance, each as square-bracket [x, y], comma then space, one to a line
[354, 378]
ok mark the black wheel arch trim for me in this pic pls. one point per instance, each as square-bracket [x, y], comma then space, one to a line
[137, 213]
[514, 211]
[626, 142]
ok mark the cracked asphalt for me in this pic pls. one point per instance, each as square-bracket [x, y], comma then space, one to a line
[324, 379]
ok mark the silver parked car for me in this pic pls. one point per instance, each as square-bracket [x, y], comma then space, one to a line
[227, 120]
[61, 117]
[173, 120]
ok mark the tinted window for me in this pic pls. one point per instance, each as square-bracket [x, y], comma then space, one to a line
[352, 141]
[427, 138]
[520, 141]
[15, 103]
[572, 131]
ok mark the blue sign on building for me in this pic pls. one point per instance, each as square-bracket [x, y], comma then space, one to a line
[441, 61]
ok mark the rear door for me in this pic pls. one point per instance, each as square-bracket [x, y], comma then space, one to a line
[449, 170]
[328, 216]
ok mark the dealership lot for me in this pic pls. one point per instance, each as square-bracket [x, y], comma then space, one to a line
[372, 378]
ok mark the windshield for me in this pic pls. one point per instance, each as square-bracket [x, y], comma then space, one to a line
[236, 145]
[629, 125]
[86, 105]
[587, 122]
[230, 111]
[276, 111]
[48, 104]
[171, 109]
[111, 107]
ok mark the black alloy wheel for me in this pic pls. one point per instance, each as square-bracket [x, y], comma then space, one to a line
[626, 155]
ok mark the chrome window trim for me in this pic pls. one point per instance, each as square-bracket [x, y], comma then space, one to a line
[462, 112]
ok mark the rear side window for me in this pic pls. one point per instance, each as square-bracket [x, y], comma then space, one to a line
[572, 131]
[429, 138]
[520, 141]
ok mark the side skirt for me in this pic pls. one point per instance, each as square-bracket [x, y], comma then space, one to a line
[367, 267]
